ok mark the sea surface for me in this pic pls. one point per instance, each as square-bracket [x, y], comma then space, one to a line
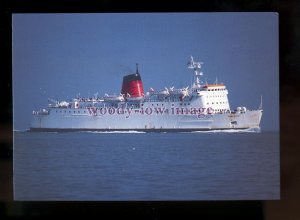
[135, 166]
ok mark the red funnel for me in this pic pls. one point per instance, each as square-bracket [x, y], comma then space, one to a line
[133, 85]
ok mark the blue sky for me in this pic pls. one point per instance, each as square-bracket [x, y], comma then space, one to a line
[61, 55]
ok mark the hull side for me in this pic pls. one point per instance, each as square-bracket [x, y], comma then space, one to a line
[152, 123]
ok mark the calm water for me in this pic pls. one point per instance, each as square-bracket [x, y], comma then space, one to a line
[146, 166]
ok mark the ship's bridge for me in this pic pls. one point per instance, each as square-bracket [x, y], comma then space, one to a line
[214, 87]
[214, 96]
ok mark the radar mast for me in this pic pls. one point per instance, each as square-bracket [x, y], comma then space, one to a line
[196, 66]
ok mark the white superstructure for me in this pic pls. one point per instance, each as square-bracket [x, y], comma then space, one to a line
[201, 107]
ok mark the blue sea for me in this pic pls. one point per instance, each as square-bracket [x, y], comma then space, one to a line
[136, 166]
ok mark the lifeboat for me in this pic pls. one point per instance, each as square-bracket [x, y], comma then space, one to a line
[163, 92]
[112, 98]
[181, 92]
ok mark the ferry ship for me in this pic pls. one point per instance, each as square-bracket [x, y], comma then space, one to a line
[199, 107]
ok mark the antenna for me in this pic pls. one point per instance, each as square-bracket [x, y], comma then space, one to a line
[261, 104]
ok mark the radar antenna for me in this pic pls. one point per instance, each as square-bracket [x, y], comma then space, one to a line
[196, 66]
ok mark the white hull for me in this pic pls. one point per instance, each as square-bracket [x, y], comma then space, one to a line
[136, 121]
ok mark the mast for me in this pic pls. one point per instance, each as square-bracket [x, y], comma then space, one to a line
[137, 68]
[196, 66]
[261, 103]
